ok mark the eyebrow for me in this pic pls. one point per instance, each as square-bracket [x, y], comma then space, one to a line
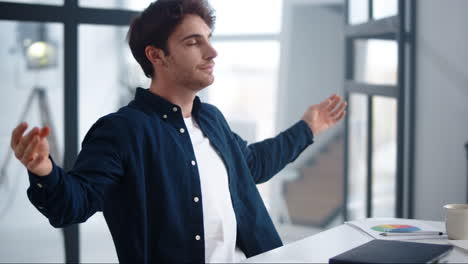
[194, 36]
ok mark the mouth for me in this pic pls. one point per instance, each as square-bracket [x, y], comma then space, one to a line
[207, 67]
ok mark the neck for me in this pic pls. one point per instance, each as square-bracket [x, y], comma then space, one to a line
[178, 95]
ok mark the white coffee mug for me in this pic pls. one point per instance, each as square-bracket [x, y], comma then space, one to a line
[456, 221]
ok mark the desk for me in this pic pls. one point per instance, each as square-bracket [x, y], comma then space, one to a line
[321, 247]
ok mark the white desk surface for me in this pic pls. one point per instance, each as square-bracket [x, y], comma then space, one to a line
[321, 247]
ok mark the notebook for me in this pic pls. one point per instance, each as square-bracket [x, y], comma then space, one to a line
[389, 251]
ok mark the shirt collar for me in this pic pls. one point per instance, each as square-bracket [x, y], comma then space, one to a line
[155, 103]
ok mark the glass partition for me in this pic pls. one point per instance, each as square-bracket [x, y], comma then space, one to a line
[251, 17]
[376, 61]
[357, 157]
[384, 156]
[137, 5]
[384, 8]
[31, 71]
[105, 85]
[357, 10]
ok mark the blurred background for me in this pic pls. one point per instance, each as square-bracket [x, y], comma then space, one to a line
[402, 65]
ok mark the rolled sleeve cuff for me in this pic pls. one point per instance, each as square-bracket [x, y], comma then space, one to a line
[303, 130]
[45, 183]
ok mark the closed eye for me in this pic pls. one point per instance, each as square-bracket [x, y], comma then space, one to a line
[192, 42]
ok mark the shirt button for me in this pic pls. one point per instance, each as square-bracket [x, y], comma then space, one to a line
[182, 130]
[39, 185]
[196, 199]
[193, 163]
[174, 109]
[197, 237]
[165, 116]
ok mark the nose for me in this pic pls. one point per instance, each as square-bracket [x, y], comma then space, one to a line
[211, 53]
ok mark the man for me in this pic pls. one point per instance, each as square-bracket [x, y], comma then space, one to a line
[174, 183]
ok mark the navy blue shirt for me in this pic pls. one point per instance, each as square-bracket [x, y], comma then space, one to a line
[135, 166]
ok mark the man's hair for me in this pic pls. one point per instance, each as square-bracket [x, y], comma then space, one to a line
[158, 21]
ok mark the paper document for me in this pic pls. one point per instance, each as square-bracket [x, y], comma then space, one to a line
[375, 227]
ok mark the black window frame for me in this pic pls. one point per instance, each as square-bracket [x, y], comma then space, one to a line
[400, 28]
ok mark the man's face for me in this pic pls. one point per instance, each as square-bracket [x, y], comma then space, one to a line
[190, 61]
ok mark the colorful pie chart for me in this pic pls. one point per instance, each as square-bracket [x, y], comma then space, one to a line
[396, 228]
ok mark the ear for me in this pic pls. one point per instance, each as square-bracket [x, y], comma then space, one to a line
[155, 55]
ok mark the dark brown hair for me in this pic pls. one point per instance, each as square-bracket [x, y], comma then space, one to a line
[158, 21]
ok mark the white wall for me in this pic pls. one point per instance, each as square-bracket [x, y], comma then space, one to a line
[311, 68]
[312, 63]
[441, 106]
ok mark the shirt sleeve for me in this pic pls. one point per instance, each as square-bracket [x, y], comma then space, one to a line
[72, 197]
[268, 157]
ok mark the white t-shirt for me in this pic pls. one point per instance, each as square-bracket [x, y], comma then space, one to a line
[219, 220]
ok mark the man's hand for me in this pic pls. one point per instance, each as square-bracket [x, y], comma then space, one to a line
[32, 150]
[322, 116]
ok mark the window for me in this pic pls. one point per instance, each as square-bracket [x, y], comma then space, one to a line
[98, 97]
[376, 61]
[246, 72]
[101, 96]
[379, 75]
[384, 162]
[384, 8]
[38, 63]
[31, 71]
[245, 86]
[113, 4]
[247, 17]
[358, 11]
[357, 147]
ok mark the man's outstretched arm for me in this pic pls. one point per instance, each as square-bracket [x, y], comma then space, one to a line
[68, 198]
[268, 157]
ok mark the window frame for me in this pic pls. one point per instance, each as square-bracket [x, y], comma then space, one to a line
[400, 28]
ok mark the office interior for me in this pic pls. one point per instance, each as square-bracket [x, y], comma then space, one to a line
[402, 65]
